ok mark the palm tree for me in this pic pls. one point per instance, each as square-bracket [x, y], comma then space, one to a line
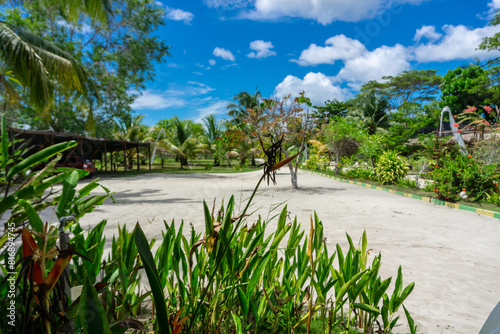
[244, 102]
[213, 130]
[36, 63]
[131, 129]
[371, 113]
[184, 143]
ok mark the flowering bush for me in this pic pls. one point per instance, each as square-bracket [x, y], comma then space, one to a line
[391, 167]
[463, 174]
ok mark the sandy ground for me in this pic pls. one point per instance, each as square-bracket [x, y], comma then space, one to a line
[452, 255]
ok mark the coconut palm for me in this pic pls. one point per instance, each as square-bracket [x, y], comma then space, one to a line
[371, 113]
[213, 130]
[184, 142]
[244, 102]
[131, 129]
[39, 66]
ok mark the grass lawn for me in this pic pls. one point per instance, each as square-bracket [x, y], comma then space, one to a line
[172, 166]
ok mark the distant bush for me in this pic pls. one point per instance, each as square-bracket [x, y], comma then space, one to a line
[463, 174]
[391, 167]
[316, 162]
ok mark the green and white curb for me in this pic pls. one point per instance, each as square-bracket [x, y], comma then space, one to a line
[488, 213]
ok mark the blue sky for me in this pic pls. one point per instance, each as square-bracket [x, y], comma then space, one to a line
[327, 48]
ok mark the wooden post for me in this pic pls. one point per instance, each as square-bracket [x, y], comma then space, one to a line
[105, 158]
[149, 155]
[138, 162]
[111, 161]
[124, 159]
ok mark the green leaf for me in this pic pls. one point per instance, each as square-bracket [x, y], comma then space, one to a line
[153, 278]
[5, 143]
[411, 322]
[237, 323]
[39, 157]
[33, 217]
[370, 309]
[243, 302]
[92, 315]
[208, 219]
[343, 290]
[7, 203]
[68, 193]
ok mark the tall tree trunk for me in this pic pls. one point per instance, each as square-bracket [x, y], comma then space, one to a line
[293, 173]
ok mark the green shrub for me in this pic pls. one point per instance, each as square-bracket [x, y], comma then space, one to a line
[390, 167]
[463, 174]
[358, 173]
[209, 167]
[316, 162]
[412, 184]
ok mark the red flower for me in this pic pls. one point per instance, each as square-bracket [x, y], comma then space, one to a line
[488, 109]
[469, 156]
[463, 189]
[456, 125]
[459, 131]
[471, 109]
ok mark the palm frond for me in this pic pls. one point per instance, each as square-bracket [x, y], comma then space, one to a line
[36, 62]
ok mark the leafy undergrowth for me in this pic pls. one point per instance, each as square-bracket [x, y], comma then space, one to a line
[414, 191]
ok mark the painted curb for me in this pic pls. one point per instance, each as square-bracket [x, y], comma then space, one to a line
[488, 213]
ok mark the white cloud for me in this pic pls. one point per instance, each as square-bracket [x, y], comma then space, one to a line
[262, 49]
[323, 11]
[179, 15]
[159, 3]
[154, 100]
[212, 62]
[317, 86]
[216, 108]
[428, 32]
[227, 3]
[338, 47]
[459, 42]
[495, 4]
[383, 61]
[198, 88]
[82, 29]
[223, 53]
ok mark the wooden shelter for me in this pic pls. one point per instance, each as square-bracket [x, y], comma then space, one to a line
[87, 147]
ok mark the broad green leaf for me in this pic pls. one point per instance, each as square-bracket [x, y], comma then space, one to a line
[34, 218]
[154, 281]
[370, 309]
[92, 315]
[243, 302]
[39, 157]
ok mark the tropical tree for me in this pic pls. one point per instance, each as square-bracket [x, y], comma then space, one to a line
[185, 140]
[39, 66]
[131, 129]
[464, 87]
[285, 121]
[244, 102]
[371, 112]
[407, 88]
[331, 109]
[118, 55]
[213, 130]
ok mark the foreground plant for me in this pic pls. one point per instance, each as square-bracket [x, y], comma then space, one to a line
[238, 278]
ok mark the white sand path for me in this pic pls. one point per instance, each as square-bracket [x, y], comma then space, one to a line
[452, 255]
